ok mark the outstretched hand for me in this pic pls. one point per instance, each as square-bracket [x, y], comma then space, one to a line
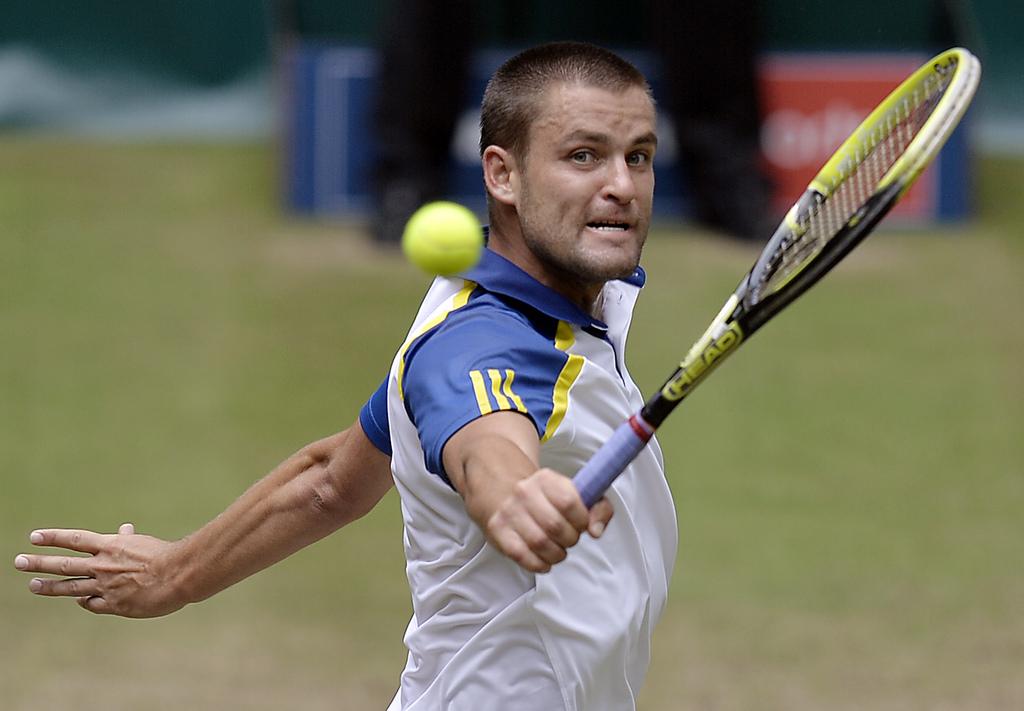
[123, 573]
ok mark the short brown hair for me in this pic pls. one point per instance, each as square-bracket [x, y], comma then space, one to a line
[510, 101]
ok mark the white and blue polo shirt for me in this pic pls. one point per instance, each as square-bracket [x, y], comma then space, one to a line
[486, 634]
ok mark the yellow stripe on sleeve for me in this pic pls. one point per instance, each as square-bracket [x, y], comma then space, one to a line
[480, 390]
[500, 389]
[499, 397]
[458, 301]
[509, 377]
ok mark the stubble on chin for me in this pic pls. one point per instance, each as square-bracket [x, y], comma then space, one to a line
[583, 267]
[569, 258]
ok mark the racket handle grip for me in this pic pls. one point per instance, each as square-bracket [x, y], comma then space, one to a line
[612, 459]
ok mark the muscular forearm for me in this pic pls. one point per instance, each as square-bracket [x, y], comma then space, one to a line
[314, 492]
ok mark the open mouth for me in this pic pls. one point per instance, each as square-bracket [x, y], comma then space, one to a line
[609, 226]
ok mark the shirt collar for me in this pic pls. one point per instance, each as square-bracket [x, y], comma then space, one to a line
[497, 274]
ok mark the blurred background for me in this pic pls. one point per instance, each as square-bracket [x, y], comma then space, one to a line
[197, 280]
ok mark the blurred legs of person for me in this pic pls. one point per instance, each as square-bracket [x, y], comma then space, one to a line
[709, 54]
[425, 54]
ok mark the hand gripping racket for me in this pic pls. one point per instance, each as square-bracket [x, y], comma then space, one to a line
[854, 190]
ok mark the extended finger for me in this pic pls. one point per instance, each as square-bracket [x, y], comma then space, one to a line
[70, 538]
[70, 566]
[73, 587]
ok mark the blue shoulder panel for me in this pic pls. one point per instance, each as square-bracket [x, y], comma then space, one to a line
[485, 357]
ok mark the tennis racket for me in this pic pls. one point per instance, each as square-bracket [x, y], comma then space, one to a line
[854, 190]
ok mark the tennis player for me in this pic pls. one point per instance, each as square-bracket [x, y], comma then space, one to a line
[510, 378]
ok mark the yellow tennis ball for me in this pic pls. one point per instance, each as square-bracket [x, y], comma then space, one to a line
[443, 238]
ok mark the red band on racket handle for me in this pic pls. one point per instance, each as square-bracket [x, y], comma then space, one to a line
[612, 459]
[643, 430]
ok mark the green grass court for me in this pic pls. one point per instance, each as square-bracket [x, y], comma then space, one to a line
[850, 489]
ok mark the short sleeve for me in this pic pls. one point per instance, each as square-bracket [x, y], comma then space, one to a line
[475, 363]
[373, 417]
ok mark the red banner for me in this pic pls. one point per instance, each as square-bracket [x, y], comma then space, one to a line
[813, 102]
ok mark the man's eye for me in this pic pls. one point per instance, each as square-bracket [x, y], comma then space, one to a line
[582, 157]
[640, 158]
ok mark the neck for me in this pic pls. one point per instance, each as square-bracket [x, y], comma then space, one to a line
[515, 249]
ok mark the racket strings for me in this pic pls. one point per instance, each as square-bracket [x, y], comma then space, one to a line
[857, 181]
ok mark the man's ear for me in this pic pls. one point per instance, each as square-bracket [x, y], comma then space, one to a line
[501, 174]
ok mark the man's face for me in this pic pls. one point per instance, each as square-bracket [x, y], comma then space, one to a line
[587, 182]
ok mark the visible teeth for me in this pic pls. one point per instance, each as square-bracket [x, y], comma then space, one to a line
[607, 226]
